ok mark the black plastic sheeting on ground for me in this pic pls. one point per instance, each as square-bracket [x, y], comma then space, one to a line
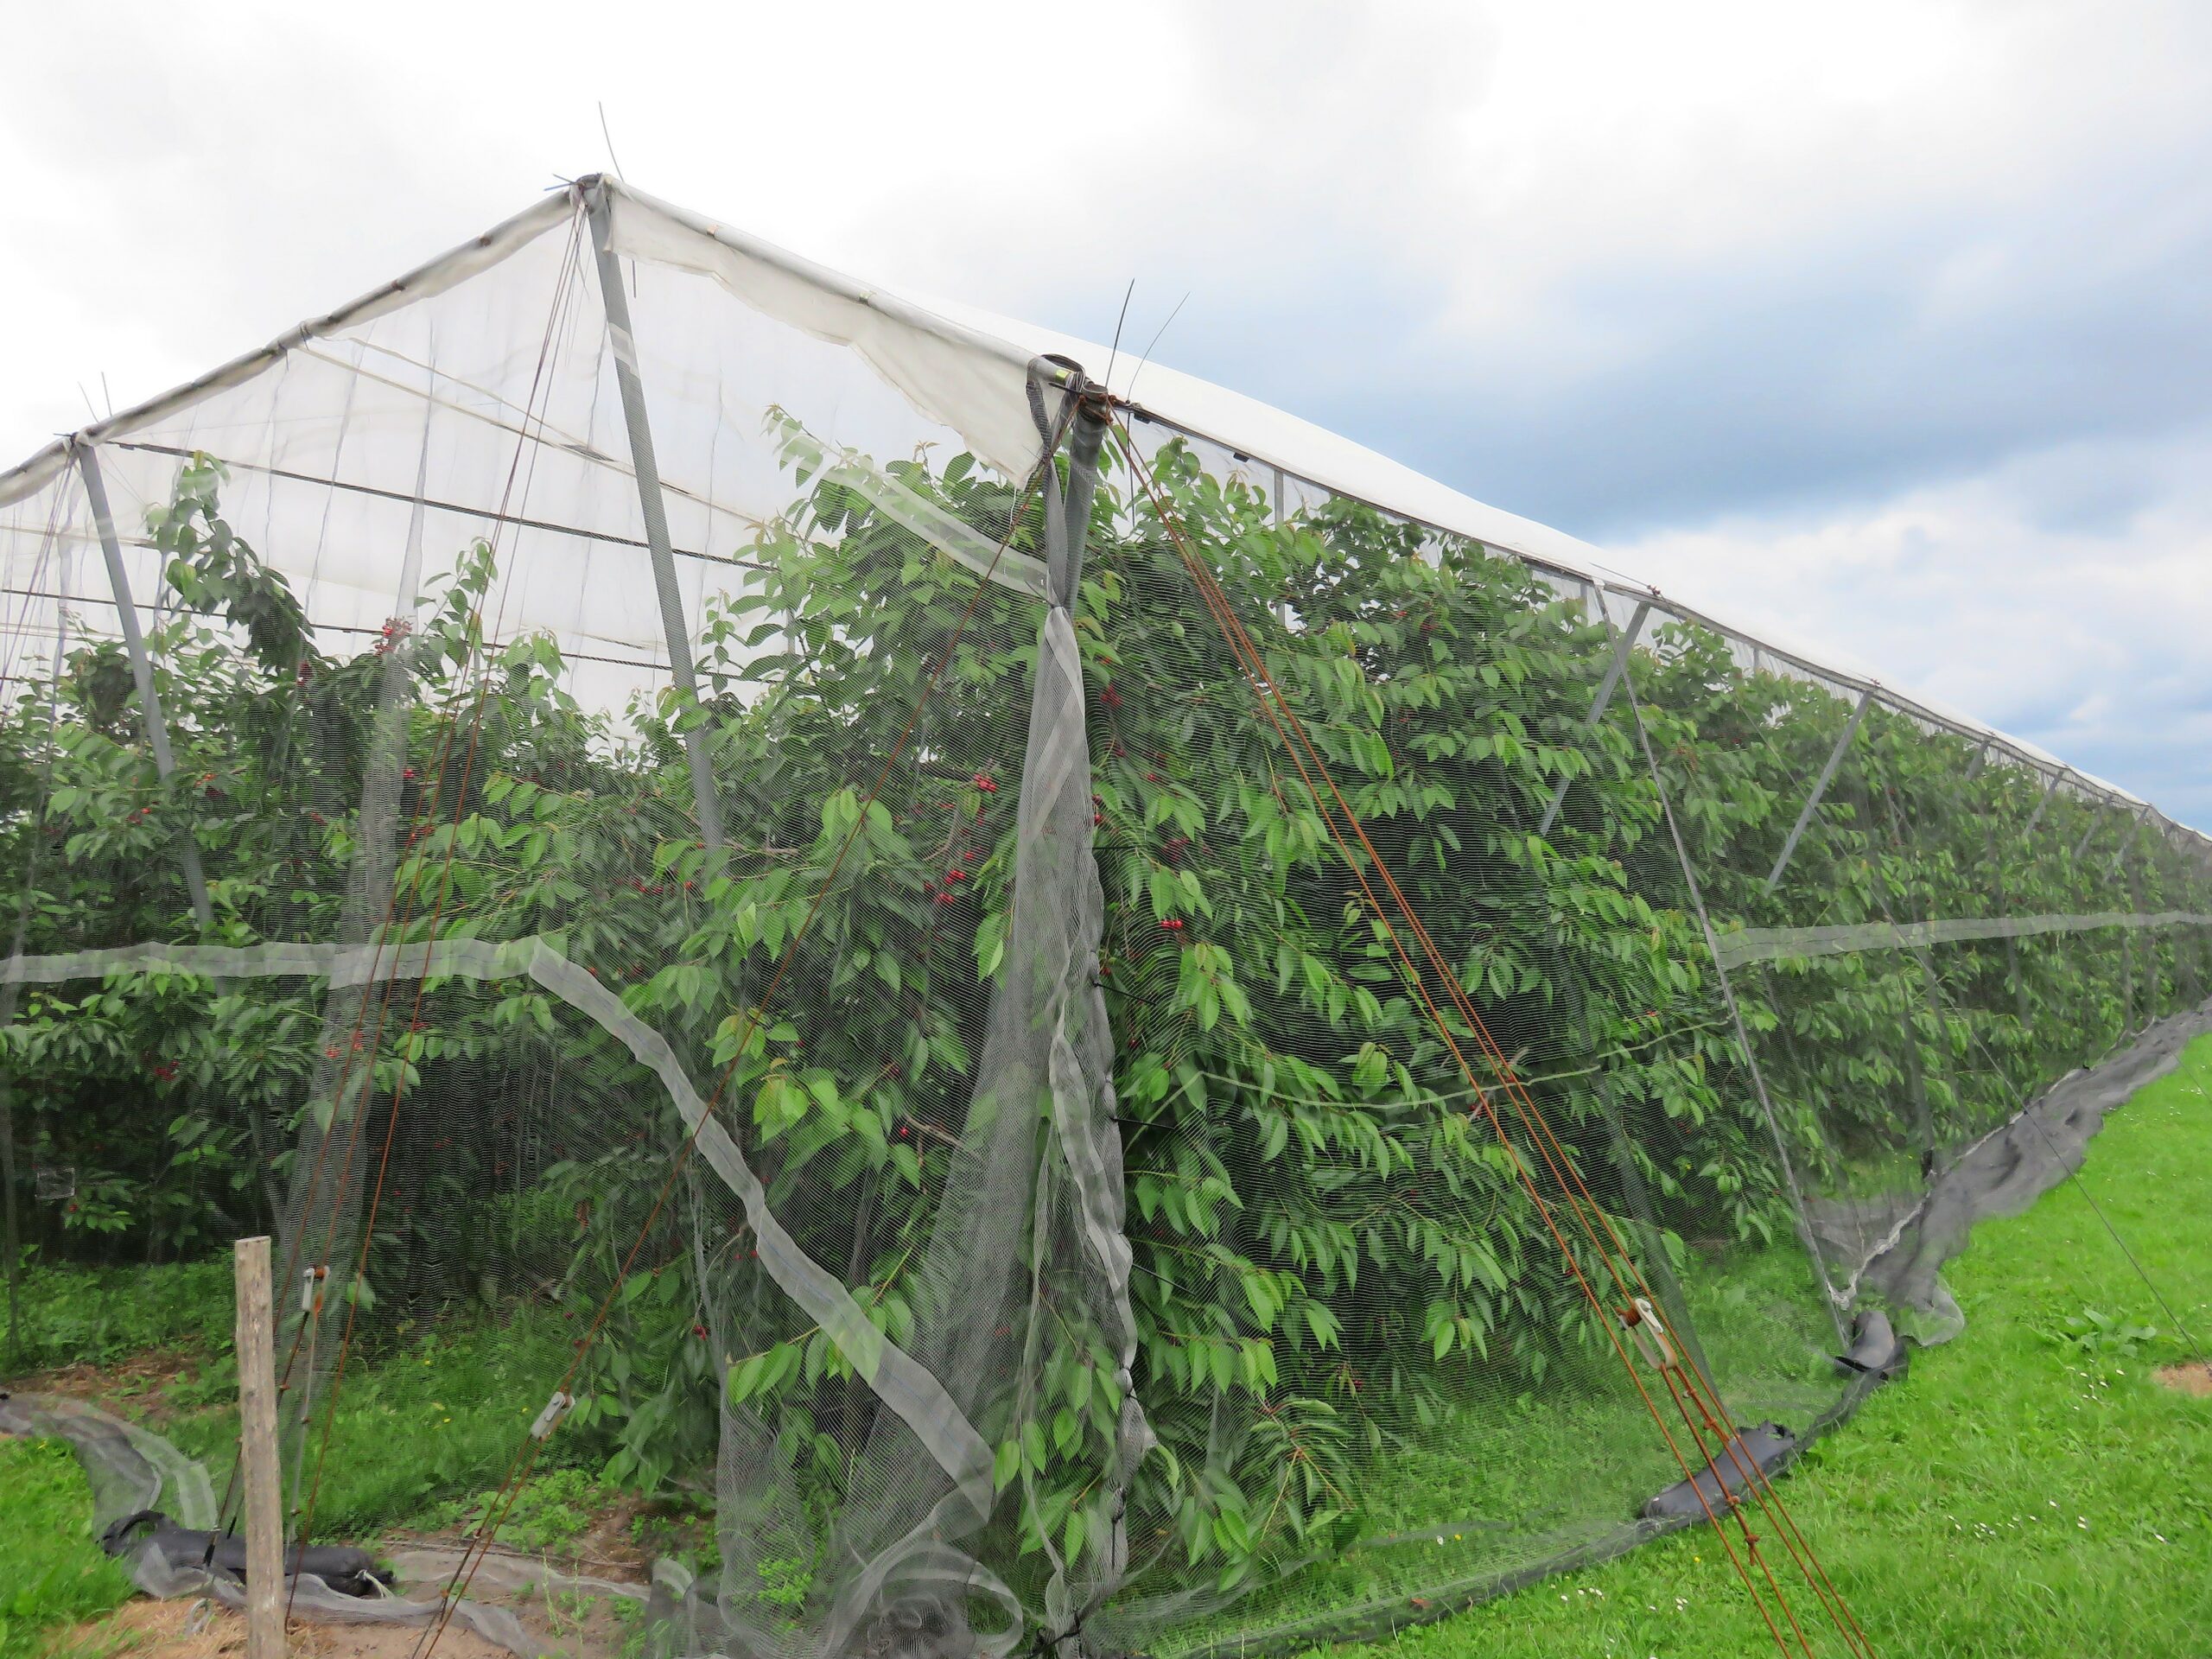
[2007, 1170]
[1876, 1347]
[349, 1571]
[1748, 1453]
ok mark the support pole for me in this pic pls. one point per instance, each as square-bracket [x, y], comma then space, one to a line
[142, 668]
[1820, 788]
[1622, 644]
[2139, 968]
[1053, 943]
[647, 469]
[11, 1236]
[258, 1460]
[1281, 606]
[2042, 803]
[311, 1286]
[2127, 976]
[1805, 1236]
[2013, 977]
[2096, 818]
[11, 1239]
[1085, 440]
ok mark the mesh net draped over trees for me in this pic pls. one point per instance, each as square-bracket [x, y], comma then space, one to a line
[1076, 1025]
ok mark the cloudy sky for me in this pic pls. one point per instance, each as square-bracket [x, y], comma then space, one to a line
[1885, 324]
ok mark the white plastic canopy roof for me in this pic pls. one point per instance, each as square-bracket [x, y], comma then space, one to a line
[967, 370]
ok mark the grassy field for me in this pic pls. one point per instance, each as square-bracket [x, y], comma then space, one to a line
[51, 1572]
[2031, 1491]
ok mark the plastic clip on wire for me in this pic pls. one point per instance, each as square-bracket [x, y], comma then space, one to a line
[1648, 1332]
[549, 1419]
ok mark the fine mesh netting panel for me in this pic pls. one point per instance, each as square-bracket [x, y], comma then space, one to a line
[619, 938]
[1027, 1032]
[1921, 937]
[1395, 1392]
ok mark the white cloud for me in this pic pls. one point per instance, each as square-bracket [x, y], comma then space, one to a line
[2088, 639]
[1908, 285]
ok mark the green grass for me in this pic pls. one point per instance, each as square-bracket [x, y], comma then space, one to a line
[418, 1429]
[2029, 1492]
[1507, 1482]
[92, 1316]
[436, 1415]
[441, 1416]
[51, 1572]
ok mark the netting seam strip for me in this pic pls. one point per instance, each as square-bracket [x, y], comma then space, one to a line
[925, 518]
[526, 1459]
[1755, 944]
[905, 1385]
[396, 691]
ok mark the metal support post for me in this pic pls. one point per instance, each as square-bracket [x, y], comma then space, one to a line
[2043, 802]
[1622, 644]
[2130, 958]
[1086, 438]
[1820, 788]
[142, 668]
[1282, 605]
[1736, 1018]
[673, 626]
[2096, 819]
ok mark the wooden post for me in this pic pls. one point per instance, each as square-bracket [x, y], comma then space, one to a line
[258, 1459]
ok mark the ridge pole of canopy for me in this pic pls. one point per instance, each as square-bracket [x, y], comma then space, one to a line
[142, 668]
[647, 469]
[1820, 788]
[1624, 642]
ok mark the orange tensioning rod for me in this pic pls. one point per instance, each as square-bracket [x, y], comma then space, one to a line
[1272, 700]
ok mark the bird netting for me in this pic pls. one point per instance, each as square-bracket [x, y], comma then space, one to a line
[1103, 1047]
